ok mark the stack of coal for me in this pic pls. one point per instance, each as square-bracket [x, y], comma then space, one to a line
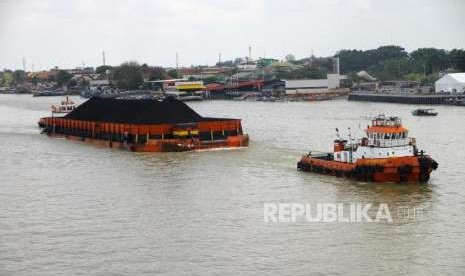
[168, 111]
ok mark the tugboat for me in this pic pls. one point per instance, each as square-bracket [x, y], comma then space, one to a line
[424, 112]
[386, 154]
[65, 107]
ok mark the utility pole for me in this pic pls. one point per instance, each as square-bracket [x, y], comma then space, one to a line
[103, 58]
[24, 64]
[177, 61]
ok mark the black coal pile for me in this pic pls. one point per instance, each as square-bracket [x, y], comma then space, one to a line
[168, 111]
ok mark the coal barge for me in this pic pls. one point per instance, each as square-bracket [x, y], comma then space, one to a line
[386, 154]
[145, 126]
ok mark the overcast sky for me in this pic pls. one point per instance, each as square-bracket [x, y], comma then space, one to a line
[68, 33]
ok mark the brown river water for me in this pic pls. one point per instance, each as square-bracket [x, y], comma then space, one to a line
[70, 208]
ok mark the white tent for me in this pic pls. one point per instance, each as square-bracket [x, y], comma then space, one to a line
[454, 83]
[366, 76]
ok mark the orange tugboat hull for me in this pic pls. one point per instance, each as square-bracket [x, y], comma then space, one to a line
[409, 169]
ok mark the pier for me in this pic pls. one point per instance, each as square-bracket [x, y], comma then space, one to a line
[405, 98]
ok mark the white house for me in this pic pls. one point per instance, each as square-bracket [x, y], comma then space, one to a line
[453, 83]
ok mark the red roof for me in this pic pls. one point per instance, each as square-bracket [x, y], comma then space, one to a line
[214, 87]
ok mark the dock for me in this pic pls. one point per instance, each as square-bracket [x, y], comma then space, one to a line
[405, 98]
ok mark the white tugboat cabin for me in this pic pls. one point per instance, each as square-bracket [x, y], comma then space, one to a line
[385, 138]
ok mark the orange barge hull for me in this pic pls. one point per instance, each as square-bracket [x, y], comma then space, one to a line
[217, 133]
[410, 169]
[167, 145]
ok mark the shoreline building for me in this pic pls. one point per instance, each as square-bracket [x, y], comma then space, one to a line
[451, 83]
[311, 86]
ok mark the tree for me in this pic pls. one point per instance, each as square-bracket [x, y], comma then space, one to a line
[213, 79]
[386, 52]
[157, 73]
[63, 77]
[7, 78]
[429, 60]
[355, 60]
[19, 76]
[128, 75]
[102, 70]
[457, 59]
[391, 69]
[352, 61]
[173, 73]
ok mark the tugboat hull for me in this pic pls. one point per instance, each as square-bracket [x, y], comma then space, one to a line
[410, 169]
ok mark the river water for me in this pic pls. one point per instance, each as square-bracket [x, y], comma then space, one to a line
[69, 208]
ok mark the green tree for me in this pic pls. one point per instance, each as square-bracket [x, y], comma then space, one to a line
[415, 77]
[7, 79]
[391, 69]
[19, 76]
[355, 60]
[429, 60]
[101, 70]
[157, 73]
[213, 79]
[457, 59]
[386, 52]
[128, 75]
[173, 73]
[63, 77]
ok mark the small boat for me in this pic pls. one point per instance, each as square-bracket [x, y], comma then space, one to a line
[424, 112]
[385, 154]
[65, 107]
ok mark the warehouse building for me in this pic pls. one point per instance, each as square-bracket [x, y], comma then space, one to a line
[310, 86]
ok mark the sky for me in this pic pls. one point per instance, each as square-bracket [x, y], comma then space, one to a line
[72, 33]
